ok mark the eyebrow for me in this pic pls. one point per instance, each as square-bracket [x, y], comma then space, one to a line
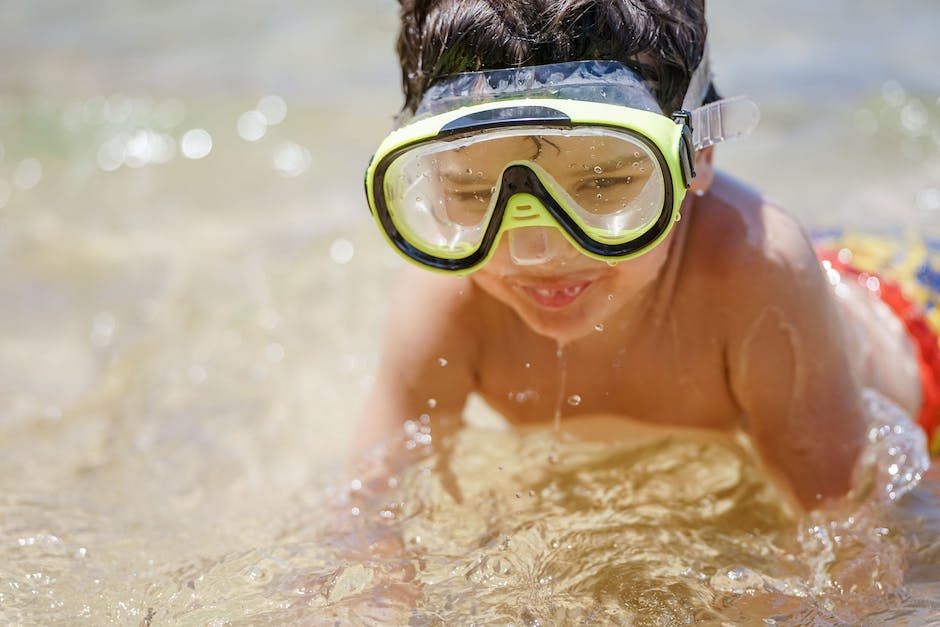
[459, 177]
[614, 164]
[619, 163]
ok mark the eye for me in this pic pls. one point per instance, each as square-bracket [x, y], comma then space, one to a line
[466, 195]
[602, 183]
[606, 182]
[467, 207]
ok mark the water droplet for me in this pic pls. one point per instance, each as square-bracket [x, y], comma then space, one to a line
[927, 199]
[196, 144]
[27, 173]
[610, 297]
[598, 169]
[893, 93]
[441, 362]
[574, 400]
[432, 403]
[677, 217]
[273, 108]
[528, 365]
[341, 251]
[291, 159]
[598, 327]
[612, 264]
[251, 126]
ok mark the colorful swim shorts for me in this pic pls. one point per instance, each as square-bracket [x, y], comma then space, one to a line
[905, 280]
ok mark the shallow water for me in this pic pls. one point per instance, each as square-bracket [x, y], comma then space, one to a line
[184, 342]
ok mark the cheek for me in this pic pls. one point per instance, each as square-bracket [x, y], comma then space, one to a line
[631, 276]
[494, 283]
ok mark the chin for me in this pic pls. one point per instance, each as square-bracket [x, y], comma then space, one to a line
[563, 310]
[562, 330]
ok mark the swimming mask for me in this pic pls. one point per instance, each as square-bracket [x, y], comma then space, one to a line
[581, 147]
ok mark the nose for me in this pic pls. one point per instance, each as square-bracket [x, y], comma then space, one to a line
[533, 245]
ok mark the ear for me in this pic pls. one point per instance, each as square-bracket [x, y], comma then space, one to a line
[704, 172]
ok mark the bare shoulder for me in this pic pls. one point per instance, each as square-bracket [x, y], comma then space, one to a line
[787, 361]
[744, 247]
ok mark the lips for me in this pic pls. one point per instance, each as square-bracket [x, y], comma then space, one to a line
[555, 296]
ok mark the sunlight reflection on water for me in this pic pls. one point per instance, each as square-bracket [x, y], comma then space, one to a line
[192, 304]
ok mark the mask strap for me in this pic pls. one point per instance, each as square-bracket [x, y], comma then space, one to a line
[720, 120]
[723, 120]
[698, 84]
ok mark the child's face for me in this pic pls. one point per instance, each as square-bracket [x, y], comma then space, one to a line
[570, 295]
[566, 295]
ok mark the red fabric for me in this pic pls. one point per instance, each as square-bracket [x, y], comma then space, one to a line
[928, 349]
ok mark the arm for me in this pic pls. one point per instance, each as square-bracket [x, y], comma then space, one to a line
[427, 365]
[789, 369]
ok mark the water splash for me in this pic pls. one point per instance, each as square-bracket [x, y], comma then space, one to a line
[660, 529]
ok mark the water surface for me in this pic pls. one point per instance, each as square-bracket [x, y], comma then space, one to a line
[185, 342]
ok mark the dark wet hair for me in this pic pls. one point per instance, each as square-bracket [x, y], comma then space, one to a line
[663, 40]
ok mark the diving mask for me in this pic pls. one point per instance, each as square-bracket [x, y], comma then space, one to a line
[581, 147]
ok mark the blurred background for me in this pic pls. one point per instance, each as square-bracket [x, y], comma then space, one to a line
[192, 292]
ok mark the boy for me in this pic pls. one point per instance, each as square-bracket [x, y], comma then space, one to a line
[567, 285]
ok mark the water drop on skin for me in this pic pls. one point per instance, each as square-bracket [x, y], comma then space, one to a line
[441, 361]
[598, 327]
[432, 403]
[678, 217]
[574, 400]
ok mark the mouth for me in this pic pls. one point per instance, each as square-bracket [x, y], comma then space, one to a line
[555, 296]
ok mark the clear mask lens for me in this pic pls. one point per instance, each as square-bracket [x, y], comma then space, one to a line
[442, 195]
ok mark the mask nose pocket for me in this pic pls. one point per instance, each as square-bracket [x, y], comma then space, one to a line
[532, 245]
[533, 234]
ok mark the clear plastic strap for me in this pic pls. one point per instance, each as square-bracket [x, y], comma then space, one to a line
[723, 120]
[698, 84]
